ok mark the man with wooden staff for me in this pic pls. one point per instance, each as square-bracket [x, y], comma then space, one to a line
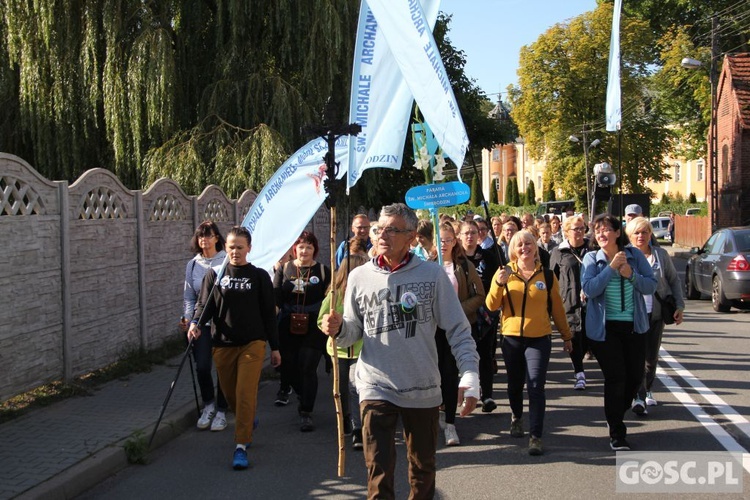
[394, 303]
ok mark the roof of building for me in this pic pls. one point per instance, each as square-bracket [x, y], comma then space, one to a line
[738, 67]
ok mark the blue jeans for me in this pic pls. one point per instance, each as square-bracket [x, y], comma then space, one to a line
[348, 391]
[202, 347]
[526, 360]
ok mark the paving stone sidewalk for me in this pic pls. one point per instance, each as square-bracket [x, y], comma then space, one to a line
[63, 449]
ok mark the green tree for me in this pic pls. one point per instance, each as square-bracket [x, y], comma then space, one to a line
[203, 91]
[476, 193]
[562, 89]
[493, 194]
[516, 202]
[530, 194]
[509, 193]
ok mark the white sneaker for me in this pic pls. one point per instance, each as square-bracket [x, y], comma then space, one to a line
[451, 436]
[650, 401]
[441, 420]
[219, 423]
[580, 384]
[639, 407]
[208, 414]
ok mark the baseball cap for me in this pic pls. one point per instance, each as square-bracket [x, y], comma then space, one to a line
[633, 209]
[478, 217]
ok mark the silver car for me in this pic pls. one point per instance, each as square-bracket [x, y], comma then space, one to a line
[660, 227]
[721, 268]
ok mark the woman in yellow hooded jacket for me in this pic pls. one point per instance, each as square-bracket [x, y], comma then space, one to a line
[528, 295]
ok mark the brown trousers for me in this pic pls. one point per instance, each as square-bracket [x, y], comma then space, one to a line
[379, 423]
[239, 374]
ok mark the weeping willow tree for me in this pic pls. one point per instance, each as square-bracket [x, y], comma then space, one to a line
[212, 91]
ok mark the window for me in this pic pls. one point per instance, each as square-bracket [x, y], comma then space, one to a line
[495, 154]
[701, 167]
[538, 182]
[677, 172]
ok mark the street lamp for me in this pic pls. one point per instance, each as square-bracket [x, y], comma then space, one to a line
[713, 174]
[586, 147]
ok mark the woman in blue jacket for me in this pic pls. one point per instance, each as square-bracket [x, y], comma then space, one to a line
[615, 279]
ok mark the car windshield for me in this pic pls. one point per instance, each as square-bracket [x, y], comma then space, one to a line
[743, 240]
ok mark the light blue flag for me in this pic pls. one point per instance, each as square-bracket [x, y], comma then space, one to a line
[380, 99]
[614, 105]
[289, 200]
[409, 35]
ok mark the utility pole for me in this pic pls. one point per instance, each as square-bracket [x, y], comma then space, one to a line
[713, 141]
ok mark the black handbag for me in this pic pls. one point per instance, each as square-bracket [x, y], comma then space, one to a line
[668, 308]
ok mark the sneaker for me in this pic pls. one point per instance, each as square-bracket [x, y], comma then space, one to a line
[619, 444]
[282, 397]
[441, 420]
[535, 446]
[451, 436]
[580, 384]
[357, 439]
[639, 407]
[488, 405]
[590, 355]
[650, 401]
[240, 459]
[306, 423]
[204, 422]
[219, 423]
[516, 427]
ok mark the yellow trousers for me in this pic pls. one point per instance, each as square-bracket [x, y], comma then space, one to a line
[239, 374]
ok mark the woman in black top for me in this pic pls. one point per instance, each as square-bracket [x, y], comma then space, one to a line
[300, 287]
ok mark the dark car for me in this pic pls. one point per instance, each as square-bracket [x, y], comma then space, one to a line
[721, 269]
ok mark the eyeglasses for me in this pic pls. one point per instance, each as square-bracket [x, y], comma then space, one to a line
[207, 236]
[470, 233]
[483, 229]
[447, 241]
[577, 229]
[390, 231]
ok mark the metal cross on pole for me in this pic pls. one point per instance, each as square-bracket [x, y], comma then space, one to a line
[336, 190]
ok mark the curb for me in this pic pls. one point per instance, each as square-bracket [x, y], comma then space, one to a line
[104, 463]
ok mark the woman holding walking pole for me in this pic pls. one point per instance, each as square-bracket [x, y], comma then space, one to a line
[207, 245]
[242, 312]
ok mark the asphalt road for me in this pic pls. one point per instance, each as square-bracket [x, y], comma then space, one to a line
[704, 400]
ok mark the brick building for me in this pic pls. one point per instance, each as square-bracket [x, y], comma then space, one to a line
[733, 141]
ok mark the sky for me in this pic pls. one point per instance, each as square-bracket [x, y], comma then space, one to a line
[492, 32]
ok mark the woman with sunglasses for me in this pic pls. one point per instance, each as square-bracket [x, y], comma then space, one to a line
[207, 246]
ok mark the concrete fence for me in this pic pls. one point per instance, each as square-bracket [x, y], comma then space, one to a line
[93, 270]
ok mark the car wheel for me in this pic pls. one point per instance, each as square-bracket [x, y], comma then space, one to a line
[691, 292]
[718, 300]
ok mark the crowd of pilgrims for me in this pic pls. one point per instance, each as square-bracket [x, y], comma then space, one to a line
[601, 284]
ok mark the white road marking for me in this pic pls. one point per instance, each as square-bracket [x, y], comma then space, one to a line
[711, 425]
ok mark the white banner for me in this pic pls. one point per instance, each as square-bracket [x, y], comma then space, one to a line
[289, 200]
[380, 98]
[614, 105]
[409, 35]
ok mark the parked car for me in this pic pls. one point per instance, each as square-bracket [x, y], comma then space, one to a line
[659, 226]
[721, 268]
[693, 211]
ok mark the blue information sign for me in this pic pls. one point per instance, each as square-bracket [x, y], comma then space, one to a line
[444, 194]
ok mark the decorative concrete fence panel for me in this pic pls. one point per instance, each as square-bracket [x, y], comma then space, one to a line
[93, 270]
[31, 348]
[104, 261]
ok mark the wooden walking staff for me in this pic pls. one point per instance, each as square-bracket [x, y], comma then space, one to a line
[335, 190]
